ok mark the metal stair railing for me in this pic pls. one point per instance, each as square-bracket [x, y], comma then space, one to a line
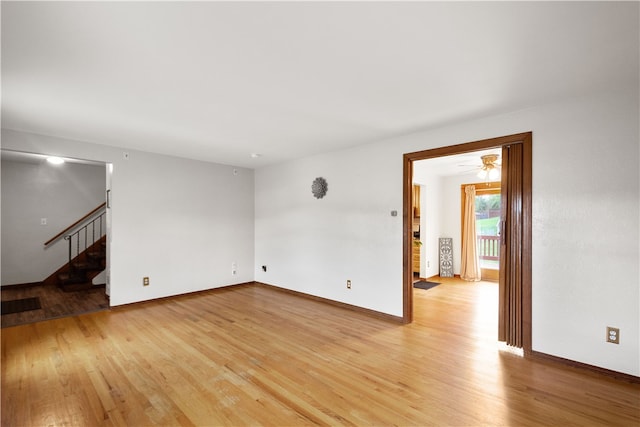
[84, 238]
[82, 235]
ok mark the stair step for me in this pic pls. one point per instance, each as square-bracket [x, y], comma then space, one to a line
[86, 266]
[75, 277]
[96, 255]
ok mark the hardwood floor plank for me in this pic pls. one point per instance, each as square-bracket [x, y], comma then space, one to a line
[253, 355]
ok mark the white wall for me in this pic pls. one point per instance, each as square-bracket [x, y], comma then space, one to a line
[31, 191]
[585, 223]
[180, 222]
[315, 245]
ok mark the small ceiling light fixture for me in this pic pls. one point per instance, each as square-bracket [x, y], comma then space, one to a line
[490, 168]
[55, 160]
[255, 155]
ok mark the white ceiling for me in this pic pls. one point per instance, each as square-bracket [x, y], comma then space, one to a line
[218, 81]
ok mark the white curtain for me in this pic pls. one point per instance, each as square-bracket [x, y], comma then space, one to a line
[470, 264]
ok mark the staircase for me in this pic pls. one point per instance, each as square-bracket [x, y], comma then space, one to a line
[83, 268]
[87, 246]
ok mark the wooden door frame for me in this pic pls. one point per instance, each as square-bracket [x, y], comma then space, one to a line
[409, 158]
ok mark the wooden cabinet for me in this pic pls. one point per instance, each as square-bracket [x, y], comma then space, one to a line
[416, 257]
[415, 254]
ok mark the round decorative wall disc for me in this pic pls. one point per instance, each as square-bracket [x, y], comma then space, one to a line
[319, 187]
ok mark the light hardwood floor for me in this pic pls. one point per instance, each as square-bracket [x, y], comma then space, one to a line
[252, 355]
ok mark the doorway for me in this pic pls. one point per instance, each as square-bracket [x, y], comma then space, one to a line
[67, 198]
[518, 260]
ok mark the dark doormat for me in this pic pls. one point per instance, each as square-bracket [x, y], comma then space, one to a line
[423, 284]
[20, 305]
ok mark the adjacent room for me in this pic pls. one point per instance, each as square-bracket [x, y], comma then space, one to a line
[57, 268]
[329, 213]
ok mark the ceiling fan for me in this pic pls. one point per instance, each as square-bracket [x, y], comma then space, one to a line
[490, 168]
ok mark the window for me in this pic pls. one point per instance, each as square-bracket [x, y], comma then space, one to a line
[487, 226]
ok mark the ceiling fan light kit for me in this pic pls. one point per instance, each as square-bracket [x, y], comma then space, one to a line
[490, 169]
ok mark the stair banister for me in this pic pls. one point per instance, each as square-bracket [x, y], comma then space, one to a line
[75, 224]
[82, 261]
[83, 230]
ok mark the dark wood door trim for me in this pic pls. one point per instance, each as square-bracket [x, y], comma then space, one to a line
[408, 159]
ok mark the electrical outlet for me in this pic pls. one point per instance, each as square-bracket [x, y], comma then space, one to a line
[348, 284]
[234, 268]
[428, 264]
[43, 221]
[613, 335]
[145, 281]
[264, 268]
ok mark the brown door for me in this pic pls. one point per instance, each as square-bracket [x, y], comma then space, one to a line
[511, 233]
